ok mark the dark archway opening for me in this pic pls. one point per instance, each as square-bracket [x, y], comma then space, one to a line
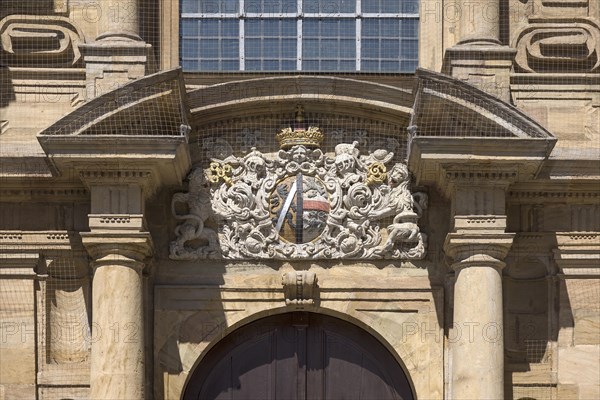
[299, 356]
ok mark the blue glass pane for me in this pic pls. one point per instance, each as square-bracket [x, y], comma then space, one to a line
[253, 6]
[327, 65]
[189, 27]
[209, 7]
[370, 27]
[253, 65]
[288, 65]
[370, 48]
[310, 65]
[410, 28]
[409, 49]
[252, 27]
[229, 6]
[381, 6]
[390, 27]
[217, 6]
[271, 65]
[390, 48]
[209, 65]
[329, 47]
[252, 47]
[310, 48]
[329, 27]
[230, 28]
[369, 65]
[270, 6]
[347, 65]
[409, 6]
[288, 48]
[231, 65]
[190, 65]
[289, 6]
[270, 48]
[209, 27]
[310, 6]
[408, 66]
[310, 27]
[390, 66]
[390, 6]
[347, 28]
[347, 48]
[271, 27]
[209, 48]
[189, 48]
[229, 48]
[189, 6]
[329, 6]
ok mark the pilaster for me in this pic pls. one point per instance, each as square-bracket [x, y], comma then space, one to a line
[477, 247]
[119, 246]
[119, 54]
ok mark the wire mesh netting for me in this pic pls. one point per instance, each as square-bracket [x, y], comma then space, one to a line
[83, 69]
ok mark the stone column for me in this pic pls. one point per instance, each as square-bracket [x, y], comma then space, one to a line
[119, 247]
[477, 247]
[478, 341]
[480, 22]
[118, 354]
[119, 19]
[479, 57]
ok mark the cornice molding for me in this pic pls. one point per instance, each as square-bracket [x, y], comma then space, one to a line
[578, 254]
[27, 241]
[548, 195]
[19, 265]
[45, 193]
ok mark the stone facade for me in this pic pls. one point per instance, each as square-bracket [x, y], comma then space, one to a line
[455, 212]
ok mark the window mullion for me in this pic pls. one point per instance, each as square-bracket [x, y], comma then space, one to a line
[241, 36]
[299, 44]
[358, 42]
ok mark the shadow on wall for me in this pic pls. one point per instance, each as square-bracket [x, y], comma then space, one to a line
[536, 308]
[7, 92]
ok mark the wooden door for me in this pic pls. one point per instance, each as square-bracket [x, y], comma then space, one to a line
[299, 356]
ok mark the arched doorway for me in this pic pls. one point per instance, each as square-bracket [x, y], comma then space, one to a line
[298, 356]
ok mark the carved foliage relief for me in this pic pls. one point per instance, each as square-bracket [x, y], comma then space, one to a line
[300, 203]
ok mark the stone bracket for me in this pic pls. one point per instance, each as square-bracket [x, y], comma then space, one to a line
[299, 288]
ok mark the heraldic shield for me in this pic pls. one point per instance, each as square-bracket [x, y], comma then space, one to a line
[299, 208]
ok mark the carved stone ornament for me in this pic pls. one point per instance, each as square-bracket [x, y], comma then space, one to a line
[300, 204]
[559, 47]
[42, 41]
[299, 287]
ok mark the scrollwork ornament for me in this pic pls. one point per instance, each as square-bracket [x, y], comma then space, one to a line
[376, 174]
[302, 204]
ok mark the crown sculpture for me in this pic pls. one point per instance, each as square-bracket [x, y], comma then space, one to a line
[299, 134]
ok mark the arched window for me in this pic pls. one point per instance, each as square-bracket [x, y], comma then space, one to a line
[299, 35]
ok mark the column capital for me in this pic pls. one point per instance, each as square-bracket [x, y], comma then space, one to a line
[116, 248]
[480, 249]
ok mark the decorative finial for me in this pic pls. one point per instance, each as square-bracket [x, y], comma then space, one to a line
[299, 113]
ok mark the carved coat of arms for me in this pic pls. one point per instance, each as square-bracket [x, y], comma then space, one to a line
[301, 204]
